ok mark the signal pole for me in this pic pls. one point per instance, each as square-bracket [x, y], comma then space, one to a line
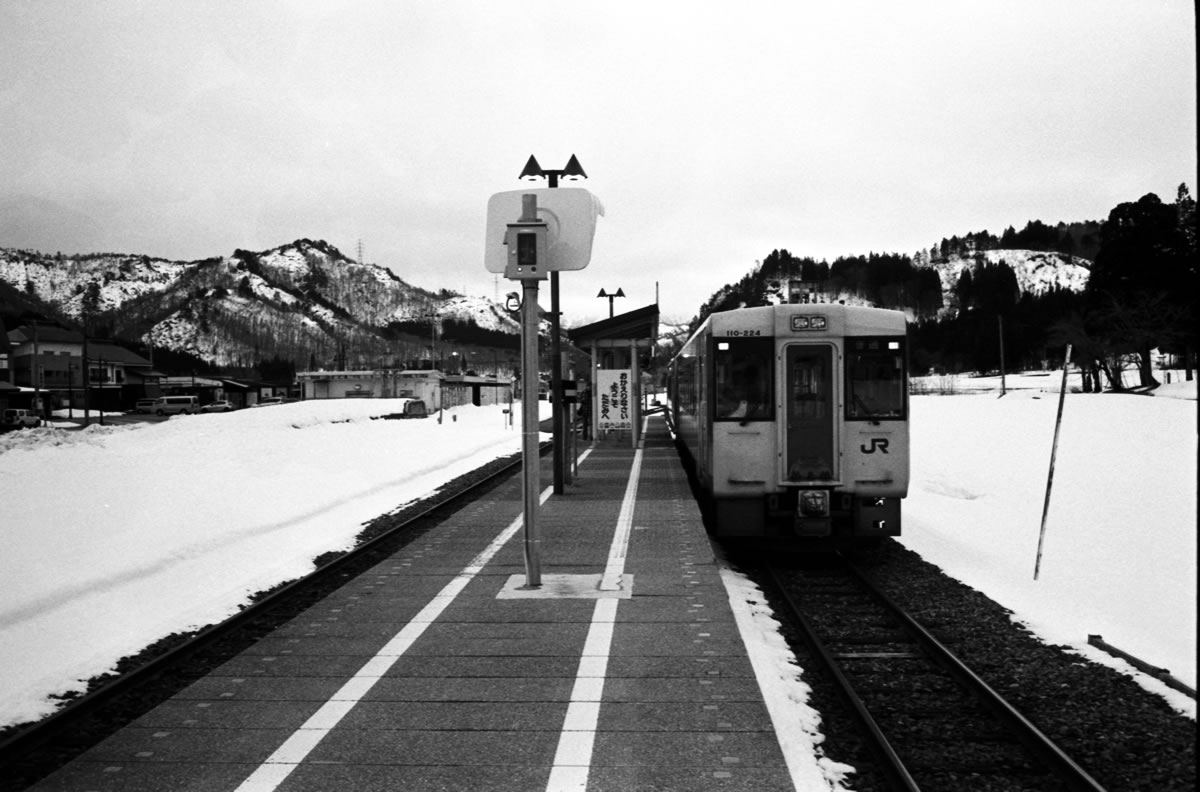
[535, 171]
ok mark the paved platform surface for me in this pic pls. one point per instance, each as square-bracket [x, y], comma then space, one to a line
[426, 675]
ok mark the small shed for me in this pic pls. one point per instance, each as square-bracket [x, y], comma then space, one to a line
[480, 391]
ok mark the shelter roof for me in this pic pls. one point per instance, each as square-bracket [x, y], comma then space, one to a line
[636, 324]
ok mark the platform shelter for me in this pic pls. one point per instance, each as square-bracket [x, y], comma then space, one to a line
[620, 349]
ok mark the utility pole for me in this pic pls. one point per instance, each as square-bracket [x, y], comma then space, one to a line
[87, 380]
[1003, 388]
[36, 371]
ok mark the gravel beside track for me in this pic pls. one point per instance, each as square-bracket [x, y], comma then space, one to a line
[1128, 738]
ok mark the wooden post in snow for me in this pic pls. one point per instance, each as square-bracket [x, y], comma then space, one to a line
[1062, 392]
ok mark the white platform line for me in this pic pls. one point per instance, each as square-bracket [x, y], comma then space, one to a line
[620, 543]
[573, 757]
[279, 765]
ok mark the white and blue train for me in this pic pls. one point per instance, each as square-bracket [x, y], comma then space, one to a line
[795, 419]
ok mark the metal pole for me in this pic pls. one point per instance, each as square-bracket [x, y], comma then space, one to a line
[572, 461]
[1053, 453]
[529, 431]
[635, 398]
[1003, 389]
[102, 380]
[593, 419]
[556, 411]
[87, 382]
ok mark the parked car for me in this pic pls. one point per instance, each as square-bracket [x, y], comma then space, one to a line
[217, 406]
[414, 408]
[267, 402]
[172, 405]
[144, 406]
[19, 419]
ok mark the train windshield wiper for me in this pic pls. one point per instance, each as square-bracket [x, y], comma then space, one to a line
[865, 411]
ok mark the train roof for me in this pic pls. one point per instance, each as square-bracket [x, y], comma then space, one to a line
[840, 319]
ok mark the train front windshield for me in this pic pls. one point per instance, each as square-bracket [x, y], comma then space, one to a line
[742, 369]
[875, 378]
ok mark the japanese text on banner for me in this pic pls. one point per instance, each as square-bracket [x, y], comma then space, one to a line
[612, 390]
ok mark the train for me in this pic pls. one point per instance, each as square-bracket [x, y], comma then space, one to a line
[795, 420]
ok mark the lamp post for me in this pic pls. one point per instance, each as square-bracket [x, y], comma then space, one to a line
[573, 170]
[432, 317]
[433, 363]
[617, 293]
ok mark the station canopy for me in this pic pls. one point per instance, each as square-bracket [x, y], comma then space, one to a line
[639, 325]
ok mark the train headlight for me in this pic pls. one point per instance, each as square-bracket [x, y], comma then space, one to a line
[814, 503]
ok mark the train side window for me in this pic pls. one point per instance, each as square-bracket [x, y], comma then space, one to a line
[743, 379]
[875, 378]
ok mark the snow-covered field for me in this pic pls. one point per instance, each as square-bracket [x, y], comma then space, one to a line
[1119, 554]
[117, 536]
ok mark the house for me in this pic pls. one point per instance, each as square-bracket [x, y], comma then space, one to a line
[7, 389]
[48, 361]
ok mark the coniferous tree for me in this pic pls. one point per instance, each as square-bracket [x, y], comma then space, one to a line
[1136, 291]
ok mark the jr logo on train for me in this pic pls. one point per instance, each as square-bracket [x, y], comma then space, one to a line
[795, 419]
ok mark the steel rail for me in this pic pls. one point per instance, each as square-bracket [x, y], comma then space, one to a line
[1062, 764]
[891, 765]
[17, 747]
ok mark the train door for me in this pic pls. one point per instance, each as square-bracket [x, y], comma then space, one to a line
[809, 412]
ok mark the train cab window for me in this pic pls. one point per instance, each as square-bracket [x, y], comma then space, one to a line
[742, 371]
[875, 378]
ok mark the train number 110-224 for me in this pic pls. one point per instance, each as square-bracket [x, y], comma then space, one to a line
[742, 333]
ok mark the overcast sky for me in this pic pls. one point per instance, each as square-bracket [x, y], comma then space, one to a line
[713, 133]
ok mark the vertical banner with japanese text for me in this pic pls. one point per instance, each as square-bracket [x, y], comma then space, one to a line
[613, 392]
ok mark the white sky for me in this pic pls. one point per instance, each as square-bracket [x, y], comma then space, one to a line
[712, 133]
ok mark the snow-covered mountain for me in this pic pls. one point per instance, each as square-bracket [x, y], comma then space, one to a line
[62, 280]
[305, 301]
[1037, 271]
[483, 312]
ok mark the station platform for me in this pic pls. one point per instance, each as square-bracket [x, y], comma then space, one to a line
[440, 670]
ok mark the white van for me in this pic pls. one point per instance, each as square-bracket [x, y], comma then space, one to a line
[171, 405]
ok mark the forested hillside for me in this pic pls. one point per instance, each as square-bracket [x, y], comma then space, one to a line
[1115, 290]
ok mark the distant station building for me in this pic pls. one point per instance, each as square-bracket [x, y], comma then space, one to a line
[433, 387]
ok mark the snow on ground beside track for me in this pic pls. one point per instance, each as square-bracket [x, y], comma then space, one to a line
[118, 536]
[1119, 555]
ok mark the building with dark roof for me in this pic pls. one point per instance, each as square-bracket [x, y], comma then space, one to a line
[47, 363]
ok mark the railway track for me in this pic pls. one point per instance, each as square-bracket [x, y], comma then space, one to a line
[928, 721]
[142, 683]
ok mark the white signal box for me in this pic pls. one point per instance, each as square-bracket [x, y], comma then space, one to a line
[570, 217]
